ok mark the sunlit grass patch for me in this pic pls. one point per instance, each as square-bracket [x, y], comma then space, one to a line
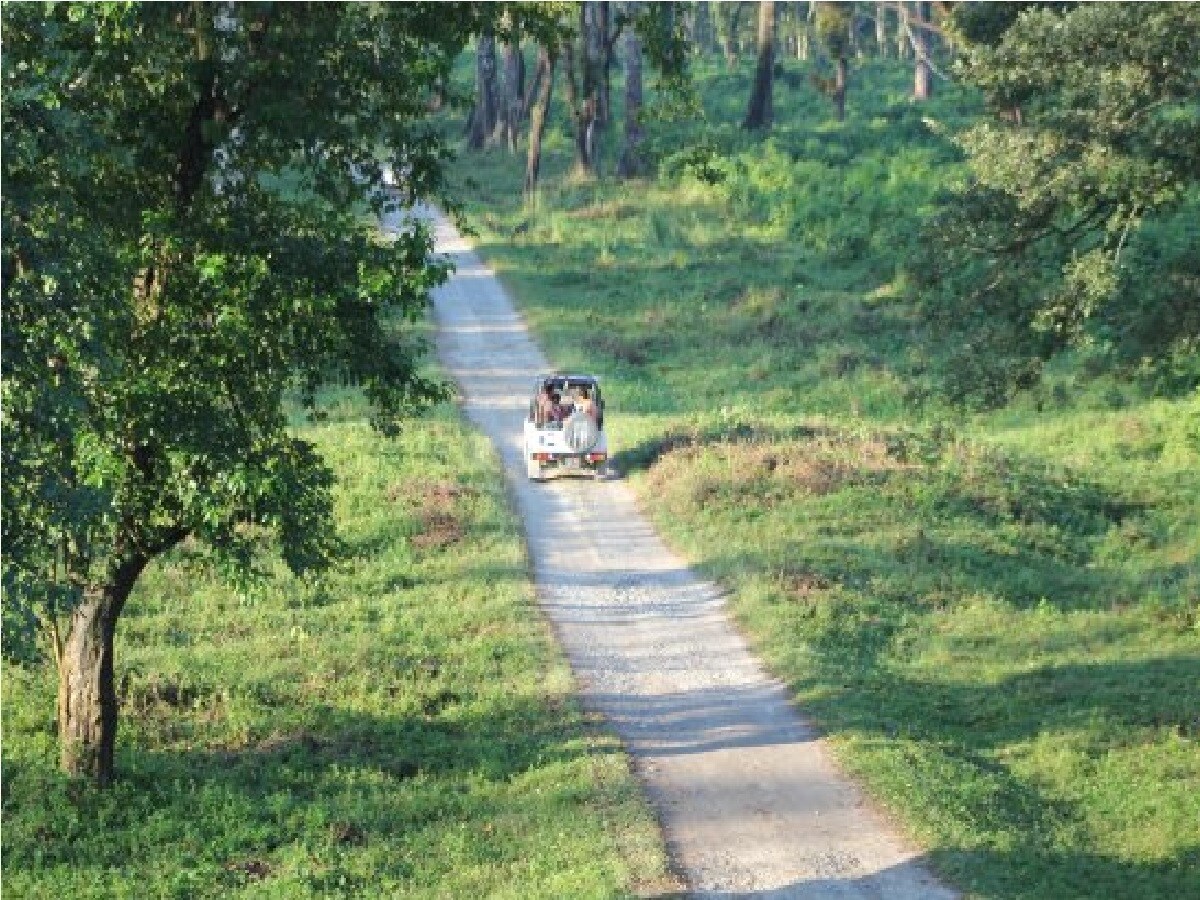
[403, 726]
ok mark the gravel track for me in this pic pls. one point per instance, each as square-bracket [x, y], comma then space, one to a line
[751, 803]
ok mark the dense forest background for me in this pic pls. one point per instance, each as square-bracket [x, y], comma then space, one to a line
[1023, 177]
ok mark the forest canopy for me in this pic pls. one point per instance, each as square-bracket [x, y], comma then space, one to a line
[1076, 228]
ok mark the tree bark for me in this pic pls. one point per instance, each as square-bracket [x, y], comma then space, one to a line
[532, 86]
[881, 41]
[514, 92]
[839, 88]
[923, 73]
[760, 112]
[631, 162]
[600, 50]
[87, 697]
[582, 102]
[537, 123]
[483, 118]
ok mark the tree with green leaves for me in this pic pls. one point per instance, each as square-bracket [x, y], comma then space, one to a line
[188, 242]
[1076, 227]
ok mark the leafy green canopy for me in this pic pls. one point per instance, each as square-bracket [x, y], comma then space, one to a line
[1077, 226]
[187, 238]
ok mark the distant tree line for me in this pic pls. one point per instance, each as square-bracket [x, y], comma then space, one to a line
[1077, 227]
[588, 40]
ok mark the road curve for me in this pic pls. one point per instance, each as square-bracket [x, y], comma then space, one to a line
[751, 803]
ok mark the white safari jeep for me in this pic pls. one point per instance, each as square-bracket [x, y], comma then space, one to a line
[564, 431]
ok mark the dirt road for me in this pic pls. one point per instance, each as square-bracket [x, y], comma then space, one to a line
[751, 802]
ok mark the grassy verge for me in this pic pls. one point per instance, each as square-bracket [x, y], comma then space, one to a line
[994, 617]
[402, 728]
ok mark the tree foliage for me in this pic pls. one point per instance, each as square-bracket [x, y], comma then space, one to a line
[188, 237]
[1073, 228]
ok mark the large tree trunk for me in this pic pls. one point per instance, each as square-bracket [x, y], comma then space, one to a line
[514, 92]
[87, 697]
[483, 118]
[600, 51]
[881, 41]
[839, 88]
[631, 163]
[532, 85]
[582, 102]
[760, 112]
[923, 73]
[537, 124]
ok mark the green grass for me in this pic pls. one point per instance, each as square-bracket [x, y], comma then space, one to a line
[994, 617]
[403, 727]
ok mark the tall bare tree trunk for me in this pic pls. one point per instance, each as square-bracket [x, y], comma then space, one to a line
[881, 41]
[903, 41]
[537, 122]
[532, 86]
[87, 697]
[514, 91]
[923, 73]
[601, 53]
[761, 112]
[483, 118]
[839, 88]
[582, 88]
[631, 163]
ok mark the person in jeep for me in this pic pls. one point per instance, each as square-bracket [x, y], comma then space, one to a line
[586, 404]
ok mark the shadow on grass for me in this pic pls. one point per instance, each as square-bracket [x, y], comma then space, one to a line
[644, 455]
[1027, 871]
[337, 774]
[1082, 876]
[1118, 703]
